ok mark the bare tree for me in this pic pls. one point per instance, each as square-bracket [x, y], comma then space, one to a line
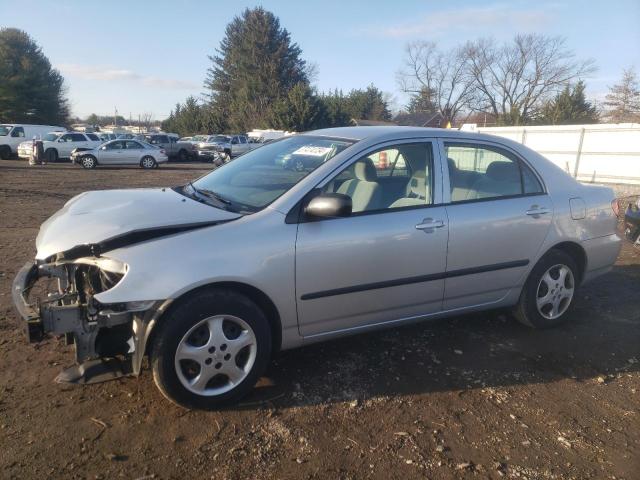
[146, 119]
[623, 99]
[514, 79]
[440, 75]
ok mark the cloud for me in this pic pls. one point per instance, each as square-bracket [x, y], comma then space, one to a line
[106, 73]
[492, 19]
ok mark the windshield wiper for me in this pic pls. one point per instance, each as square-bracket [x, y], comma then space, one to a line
[212, 194]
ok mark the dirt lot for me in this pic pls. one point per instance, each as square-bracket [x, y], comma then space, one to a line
[471, 397]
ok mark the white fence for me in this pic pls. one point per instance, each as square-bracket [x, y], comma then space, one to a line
[602, 153]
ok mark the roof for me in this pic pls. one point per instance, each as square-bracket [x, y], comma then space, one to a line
[361, 132]
[369, 123]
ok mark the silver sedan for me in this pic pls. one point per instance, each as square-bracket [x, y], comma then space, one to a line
[376, 227]
[121, 152]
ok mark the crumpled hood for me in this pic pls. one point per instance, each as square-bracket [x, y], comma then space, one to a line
[94, 217]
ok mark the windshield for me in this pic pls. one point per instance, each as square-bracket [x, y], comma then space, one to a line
[4, 130]
[257, 178]
[200, 138]
[218, 139]
[51, 137]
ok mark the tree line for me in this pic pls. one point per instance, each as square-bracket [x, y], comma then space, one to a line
[258, 79]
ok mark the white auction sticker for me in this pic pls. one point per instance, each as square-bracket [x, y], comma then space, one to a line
[312, 151]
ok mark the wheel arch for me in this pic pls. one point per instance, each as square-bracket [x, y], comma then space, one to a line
[258, 296]
[575, 251]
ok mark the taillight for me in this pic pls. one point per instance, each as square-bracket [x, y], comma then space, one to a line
[615, 206]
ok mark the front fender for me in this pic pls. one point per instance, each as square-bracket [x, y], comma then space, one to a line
[257, 250]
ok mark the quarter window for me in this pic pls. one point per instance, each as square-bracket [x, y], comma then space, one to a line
[481, 171]
[392, 177]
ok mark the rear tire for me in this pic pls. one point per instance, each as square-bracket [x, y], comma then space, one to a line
[211, 349]
[549, 291]
[51, 155]
[148, 162]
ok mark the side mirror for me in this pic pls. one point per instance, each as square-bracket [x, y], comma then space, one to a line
[61, 140]
[329, 205]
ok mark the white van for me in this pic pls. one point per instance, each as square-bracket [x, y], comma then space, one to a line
[11, 135]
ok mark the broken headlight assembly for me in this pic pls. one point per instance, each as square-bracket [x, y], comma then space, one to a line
[59, 297]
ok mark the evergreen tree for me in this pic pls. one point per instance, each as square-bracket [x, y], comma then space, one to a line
[335, 110]
[368, 104]
[623, 99]
[569, 107]
[301, 110]
[255, 67]
[422, 102]
[31, 91]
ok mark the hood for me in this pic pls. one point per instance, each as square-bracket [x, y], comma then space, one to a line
[109, 219]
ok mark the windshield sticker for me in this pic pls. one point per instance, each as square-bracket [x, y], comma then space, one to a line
[312, 151]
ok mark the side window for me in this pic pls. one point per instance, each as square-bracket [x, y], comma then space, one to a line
[67, 137]
[118, 145]
[373, 183]
[18, 132]
[482, 171]
[131, 145]
[163, 139]
[242, 139]
[78, 137]
[234, 140]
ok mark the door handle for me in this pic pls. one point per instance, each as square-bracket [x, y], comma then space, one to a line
[535, 211]
[429, 224]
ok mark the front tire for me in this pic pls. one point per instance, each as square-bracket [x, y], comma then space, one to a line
[89, 162]
[211, 349]
[549, 291]
[148, 162]
[183, 156]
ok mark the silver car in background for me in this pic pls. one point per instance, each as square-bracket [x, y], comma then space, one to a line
[378, 227]
[121, 152]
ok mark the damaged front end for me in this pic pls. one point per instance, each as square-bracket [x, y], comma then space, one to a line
[58, 297]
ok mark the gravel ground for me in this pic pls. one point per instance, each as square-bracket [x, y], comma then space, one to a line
[477, 396]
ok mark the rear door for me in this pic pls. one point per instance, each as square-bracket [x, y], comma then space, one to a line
[499, 215]
[386, 261]
[132, 153]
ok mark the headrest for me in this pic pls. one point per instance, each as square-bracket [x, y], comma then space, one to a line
[452, 164]
[503, 172]
[418, 184]
[365, 170]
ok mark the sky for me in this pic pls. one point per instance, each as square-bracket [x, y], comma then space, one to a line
[145, 56]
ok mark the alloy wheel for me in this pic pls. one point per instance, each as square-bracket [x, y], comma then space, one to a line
[215, 355]
[555, 291]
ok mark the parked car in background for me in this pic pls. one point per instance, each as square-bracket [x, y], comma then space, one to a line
[183, 151]
[390, 226]
[121, 152]
[185, 139]
[105, 136]
[207, 149]
[12, 135]
[236, 145]
[61, 146]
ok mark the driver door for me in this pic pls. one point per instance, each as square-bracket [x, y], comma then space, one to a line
[384, 263]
